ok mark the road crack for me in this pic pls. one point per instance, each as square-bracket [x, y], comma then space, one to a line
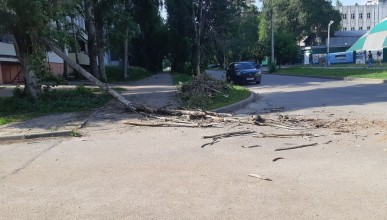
[25, 165]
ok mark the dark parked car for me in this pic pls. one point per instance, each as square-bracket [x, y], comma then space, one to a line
[243, 73]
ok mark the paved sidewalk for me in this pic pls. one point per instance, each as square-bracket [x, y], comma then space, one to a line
[6, 90]
[157, 91]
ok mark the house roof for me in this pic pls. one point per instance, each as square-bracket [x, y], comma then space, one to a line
[357, 33]
[375, 39]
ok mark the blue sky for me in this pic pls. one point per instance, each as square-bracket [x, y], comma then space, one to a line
[351, 2]
[345, 2]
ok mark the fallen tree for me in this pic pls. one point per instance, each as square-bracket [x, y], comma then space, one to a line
[127, 104]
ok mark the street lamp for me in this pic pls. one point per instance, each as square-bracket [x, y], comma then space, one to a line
[328, 43]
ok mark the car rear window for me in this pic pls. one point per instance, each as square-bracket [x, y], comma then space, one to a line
[244, 66]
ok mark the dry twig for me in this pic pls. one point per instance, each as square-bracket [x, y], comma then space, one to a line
[229, 134]
[167, 124]
[263, 135]
[296, 147]
[260, 177]
[278, 158]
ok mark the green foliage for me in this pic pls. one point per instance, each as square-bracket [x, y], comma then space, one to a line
[199, 92]
[17, 92]
[74, 133]
[55, 101]
[286, 48]
[338, 72]
[28, 21]
[228, 31]
[180, 34]
[300, 18]
[181, 78]
[150, 44]
[206, 93]
[114, 74]
[229, 96]
[272, 67]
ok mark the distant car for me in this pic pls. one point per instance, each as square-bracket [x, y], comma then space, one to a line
[243, 73]
[212, 66]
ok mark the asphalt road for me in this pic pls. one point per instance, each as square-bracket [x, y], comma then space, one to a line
[303, 94]
[117, 171]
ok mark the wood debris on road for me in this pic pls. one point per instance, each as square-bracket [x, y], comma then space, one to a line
[253, 146]
[296, 147]
[278, 158]
[167, 124]
[229, 134]
[260, 177]
[264, 135]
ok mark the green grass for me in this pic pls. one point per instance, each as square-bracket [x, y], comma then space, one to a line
[228, 97]
[57, 101]
[6, 120]
[115, 74]
[181, 78]
[337, 72]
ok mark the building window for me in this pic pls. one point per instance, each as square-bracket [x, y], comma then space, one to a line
[368, 15]
[344, 29]
[352, 28]
[361, 16]
[368, 28]
[360, 28]
[352, 16]
[344, 16]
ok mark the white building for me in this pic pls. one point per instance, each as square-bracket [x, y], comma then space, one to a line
[362, 17]
[376, 2]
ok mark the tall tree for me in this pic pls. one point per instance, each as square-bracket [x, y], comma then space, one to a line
[301, 18]
[150, 43]
[88, 8]
[180, 33]
[27, 21]
[209, 28]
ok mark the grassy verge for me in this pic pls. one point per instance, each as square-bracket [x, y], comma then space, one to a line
[115, 74]
[337, 72]
[195, 97]
[233, 95]
[179, 78]
[57, 101]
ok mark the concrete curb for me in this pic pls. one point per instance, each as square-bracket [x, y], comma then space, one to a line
[381, 81]
[237, 105]
[66, 133]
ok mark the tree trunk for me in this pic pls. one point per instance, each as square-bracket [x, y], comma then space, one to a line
[197, 22]
[32, 87]
[128, 105]
[126, 42]
[100, 44]
[91, 41]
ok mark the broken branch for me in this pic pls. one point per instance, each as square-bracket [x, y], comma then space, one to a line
[167, 124]
[296, 147]
[230, 134]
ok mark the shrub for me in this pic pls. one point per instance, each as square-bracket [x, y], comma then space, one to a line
[199, 92]
[115, 73]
